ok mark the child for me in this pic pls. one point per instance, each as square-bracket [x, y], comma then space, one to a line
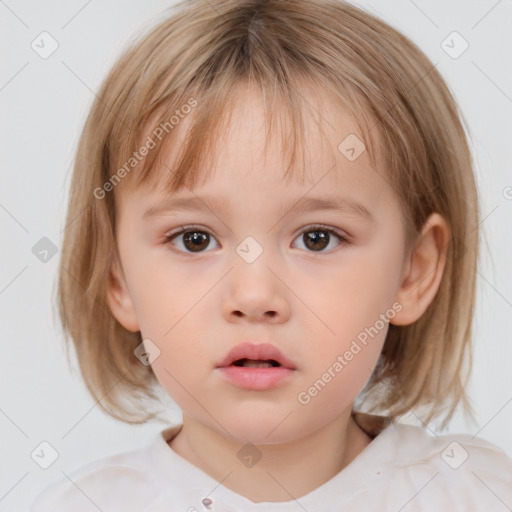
[295, 295]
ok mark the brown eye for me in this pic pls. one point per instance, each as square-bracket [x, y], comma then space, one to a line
[196, 240]
[318, 238]
[190, 240]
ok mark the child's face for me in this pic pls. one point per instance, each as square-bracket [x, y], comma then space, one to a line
[311, 298]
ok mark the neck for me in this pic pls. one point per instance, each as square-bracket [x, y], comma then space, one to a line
[282, 473]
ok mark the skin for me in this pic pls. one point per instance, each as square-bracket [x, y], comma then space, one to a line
[196, 306]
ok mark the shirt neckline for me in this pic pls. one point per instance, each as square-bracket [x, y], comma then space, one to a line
[362, 472]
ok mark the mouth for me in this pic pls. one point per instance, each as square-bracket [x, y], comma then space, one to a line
[253, 367]
[250, 355]
[256, 363]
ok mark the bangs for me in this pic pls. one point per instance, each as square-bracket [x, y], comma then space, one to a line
[192, 125]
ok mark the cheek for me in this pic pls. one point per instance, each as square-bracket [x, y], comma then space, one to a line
[164, 294]
[354, 304]
[351, 296]
[337, 380]
[181, 366]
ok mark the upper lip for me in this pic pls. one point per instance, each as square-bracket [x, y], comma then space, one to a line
[262, 351]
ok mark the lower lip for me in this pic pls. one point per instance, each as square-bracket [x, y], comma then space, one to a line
[257, 379]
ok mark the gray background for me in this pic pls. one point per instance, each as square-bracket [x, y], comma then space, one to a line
[43, 106]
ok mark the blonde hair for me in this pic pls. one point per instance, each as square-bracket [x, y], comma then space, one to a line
[201, 55]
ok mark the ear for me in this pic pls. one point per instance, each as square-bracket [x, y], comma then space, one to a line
[119, 299]
[423, 270]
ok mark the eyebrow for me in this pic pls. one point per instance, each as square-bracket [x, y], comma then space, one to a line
[346, 206]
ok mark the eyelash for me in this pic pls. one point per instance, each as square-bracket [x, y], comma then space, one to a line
[314, 227]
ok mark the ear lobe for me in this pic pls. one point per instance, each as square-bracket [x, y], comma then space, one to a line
[119, 299]
[424, 271]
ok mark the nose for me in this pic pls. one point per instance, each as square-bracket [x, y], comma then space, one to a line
[255, 293]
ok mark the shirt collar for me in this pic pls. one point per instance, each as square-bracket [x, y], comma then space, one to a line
[191, 488]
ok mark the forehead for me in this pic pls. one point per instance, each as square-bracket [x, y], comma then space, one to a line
[243, 170]
[255, 140]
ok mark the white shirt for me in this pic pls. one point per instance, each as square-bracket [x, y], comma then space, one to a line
[403, 469]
